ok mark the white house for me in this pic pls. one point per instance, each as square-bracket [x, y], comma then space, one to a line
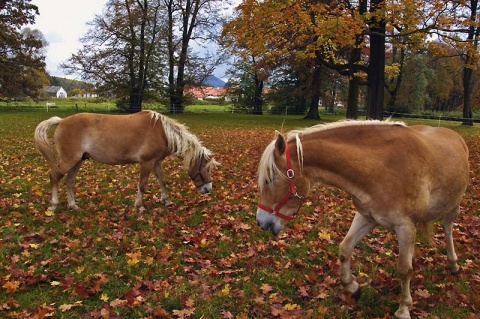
[55, 91]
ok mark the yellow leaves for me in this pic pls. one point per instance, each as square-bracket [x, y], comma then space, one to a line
[392, 71]
[80, 269]
[324, 235]
[49, 213]
[55, 283]
[290, 306]
[104, 297]
[133, 258]
[11, 286]
[226, 290]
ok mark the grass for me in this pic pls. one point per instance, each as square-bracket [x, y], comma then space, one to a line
[203, 257]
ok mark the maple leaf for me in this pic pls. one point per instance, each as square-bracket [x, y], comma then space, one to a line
[423, 293]
[324, 235]
[11, 286]
[82, 291]
[290, 306]
[49, 213]
[266, 288]
[67, 307]
[117, 303]
[303, 292]
[226, 290]
[190, 303]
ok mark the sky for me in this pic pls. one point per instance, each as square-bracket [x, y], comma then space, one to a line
[63, 23]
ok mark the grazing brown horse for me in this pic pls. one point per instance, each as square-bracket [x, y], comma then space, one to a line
[398, 176]
[146, 137]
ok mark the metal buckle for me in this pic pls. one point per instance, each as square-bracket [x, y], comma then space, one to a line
[290, 173]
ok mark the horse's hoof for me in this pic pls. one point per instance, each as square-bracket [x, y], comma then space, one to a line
[454, 269]
[402, 314]
[357, 294]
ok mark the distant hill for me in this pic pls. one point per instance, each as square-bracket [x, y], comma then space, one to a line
[213, 81]
[68, 84]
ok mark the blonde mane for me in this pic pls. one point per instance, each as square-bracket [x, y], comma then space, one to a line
[268, 170]
[181, 142]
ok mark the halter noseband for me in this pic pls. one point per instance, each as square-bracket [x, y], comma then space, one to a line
[199, 173]
[292, 191]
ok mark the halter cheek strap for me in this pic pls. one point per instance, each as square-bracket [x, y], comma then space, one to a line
[292, 191]
[199, 173]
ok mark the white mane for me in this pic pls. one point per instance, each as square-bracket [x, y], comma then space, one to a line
[268, 170]
[181, 142]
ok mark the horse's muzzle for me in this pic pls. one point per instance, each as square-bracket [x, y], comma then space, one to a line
[205, 188]
[267, 221]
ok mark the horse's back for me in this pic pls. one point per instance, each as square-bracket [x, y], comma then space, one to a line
[110, 139]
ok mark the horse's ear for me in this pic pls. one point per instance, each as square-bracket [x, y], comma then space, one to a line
[280, 144]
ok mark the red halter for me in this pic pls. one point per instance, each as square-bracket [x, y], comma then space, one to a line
[292, 190]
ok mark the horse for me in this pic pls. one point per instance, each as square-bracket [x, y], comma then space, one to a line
[398, 176]
[145, 137]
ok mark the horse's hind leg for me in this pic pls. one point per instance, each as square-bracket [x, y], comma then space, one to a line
[158, 170]
[70, 183]
[55, 177]
[360, 227]
[145, 169]
[406, 235]
[447, 225]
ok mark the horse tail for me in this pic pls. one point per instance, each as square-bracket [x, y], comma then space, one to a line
[42, 142]
[425, 232]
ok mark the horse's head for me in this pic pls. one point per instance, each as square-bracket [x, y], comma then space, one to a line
[282, 188]
[200, 172]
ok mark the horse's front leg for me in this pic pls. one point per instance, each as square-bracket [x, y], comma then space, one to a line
[145, 169]
[158, 170]
[406, 247]
[360, 227]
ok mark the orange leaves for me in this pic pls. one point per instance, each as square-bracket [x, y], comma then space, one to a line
[204, 255]
[11, 286]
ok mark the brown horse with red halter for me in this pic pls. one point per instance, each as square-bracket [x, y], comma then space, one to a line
[146, 138]
[399, 177]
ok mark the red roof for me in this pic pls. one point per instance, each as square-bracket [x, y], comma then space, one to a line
[202, 92]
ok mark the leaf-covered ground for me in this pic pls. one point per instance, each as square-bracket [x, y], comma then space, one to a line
[204, 256]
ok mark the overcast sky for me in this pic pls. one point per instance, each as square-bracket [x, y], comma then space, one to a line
[63, 23]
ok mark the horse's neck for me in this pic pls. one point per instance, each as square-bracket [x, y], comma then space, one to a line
[332, 164]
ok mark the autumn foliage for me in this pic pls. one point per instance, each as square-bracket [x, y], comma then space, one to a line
[204, 256]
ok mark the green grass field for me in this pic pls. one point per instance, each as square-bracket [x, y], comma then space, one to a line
[204, 256]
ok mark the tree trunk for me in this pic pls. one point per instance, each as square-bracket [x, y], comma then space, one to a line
[467, 93]
[257, 97]
[376, 66]
[135, 101]
[352, 99]
[473, 34]
[315, 98]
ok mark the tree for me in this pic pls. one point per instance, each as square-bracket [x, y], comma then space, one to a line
[119, 50]
[187, 21]
[22, 56]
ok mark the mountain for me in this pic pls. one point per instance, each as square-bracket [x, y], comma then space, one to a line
[213, 81]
